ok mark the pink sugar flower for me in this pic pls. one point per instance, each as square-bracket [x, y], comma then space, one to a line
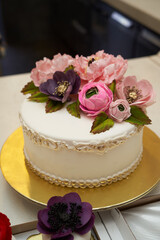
[42, 72]
[61, 62]
[136, 93]
[95, 98]
[46, 68]
[119, 110]
[100, 66]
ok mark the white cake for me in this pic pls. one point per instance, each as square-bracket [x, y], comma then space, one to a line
[60, 148]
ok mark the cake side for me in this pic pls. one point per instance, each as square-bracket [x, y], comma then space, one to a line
[60, 129]
[80, 165]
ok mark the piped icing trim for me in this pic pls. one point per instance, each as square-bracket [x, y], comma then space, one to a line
[84, 183]
[41, 140]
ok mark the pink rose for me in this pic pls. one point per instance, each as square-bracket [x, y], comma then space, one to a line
[101, 66]
[119, 110]
[42, 72]
[136, 93]
[95, 98]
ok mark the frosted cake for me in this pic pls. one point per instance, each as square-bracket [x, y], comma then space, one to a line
[83, 121]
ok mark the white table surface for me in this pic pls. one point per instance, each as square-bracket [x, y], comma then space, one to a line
[20, 210]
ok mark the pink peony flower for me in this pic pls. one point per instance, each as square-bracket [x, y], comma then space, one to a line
[46, 68]
[95, 98]
[136, 93]
[101, 66]
[42, 72]
[61, 62]
[119, 110]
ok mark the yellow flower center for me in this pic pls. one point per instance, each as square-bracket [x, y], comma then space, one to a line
[133, 95]
[62, 88]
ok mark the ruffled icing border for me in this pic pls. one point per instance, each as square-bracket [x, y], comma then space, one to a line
[36, 138]
[84, 183]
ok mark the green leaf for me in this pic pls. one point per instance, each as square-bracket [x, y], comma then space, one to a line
[112, 86]
[70, 67]
[53, 106]
[101, 123]
[29, 88]
[38, 97]
[74, 109]
[138, 117]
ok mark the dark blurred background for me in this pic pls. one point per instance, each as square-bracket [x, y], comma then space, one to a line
[33, 29]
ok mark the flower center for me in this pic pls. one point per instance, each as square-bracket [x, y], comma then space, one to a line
[91, 61]
[62, 216]
[91, 92]
[121, 107]
[62, 88]
[132, 94]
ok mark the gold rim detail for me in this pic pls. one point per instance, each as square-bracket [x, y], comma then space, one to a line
[100, 148]
[87, 183]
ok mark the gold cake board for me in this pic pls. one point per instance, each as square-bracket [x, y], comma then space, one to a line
[136, 185]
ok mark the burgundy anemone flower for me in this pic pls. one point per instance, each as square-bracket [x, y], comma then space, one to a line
[61, 86]
[65, 215]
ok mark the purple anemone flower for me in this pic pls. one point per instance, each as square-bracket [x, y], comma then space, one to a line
[65, 215]
[61, 86]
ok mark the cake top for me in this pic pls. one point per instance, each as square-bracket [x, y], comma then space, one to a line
[94, 86]
[64, 216]
[72, 131]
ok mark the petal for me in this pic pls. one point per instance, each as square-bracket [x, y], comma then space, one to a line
[42, 229]
[43, 87]
[86, 213]
[130, 81]
[55, 98]
[43, 217]
[89, 104]
[71, 76]
[86, 228]
[51, 85]
[90, 113]
[72, 197]
[59, 76]
[76, 85]
[67, 93]
[54, 200]
[145, 87]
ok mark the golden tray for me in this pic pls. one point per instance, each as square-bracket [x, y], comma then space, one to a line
[135, 186]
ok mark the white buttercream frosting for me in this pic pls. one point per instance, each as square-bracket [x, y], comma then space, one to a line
[122, 146]
[61, 126]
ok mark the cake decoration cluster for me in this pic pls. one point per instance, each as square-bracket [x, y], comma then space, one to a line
[64, 216]
[93, 85]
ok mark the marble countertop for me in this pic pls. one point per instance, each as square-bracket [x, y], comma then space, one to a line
[146, 12]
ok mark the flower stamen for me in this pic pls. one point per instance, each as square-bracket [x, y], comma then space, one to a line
[62, 88]
[132, 94]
